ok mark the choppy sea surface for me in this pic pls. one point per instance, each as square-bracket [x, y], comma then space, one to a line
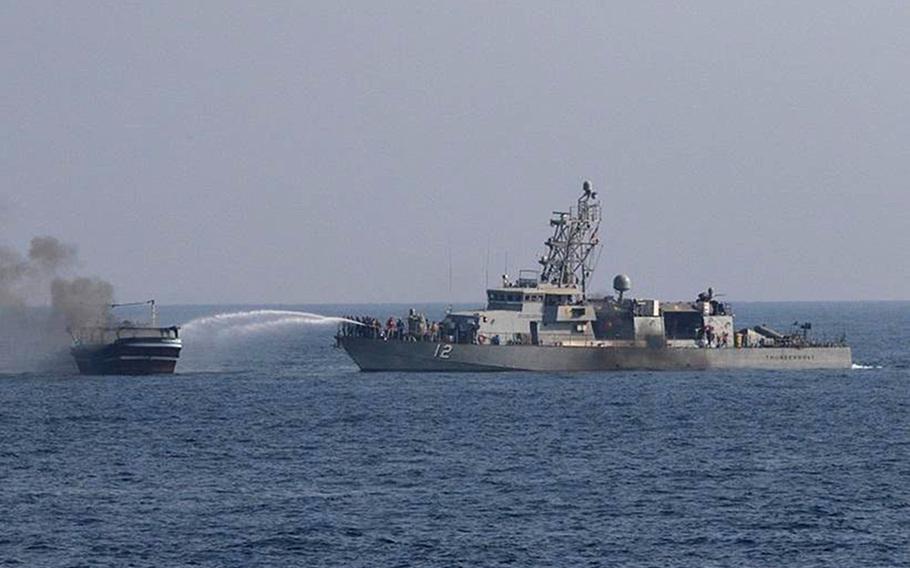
[269, 448]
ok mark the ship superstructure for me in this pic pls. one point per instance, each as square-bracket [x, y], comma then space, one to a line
[545, 320]
[548, 306]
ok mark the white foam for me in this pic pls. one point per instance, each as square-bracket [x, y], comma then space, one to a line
[857, 366]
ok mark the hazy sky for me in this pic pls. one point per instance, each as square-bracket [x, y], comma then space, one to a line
[208, 152]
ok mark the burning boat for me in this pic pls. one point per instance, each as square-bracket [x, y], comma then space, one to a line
[127, 348]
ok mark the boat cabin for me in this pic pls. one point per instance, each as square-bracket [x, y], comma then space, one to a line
[111, 334]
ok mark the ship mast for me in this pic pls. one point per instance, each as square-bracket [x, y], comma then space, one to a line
[153, 309]
[568, 261]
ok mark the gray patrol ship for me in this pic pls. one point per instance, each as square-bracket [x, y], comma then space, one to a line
[544, 321]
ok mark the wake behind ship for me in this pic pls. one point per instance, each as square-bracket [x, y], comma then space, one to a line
[127, 348]
[544, 321]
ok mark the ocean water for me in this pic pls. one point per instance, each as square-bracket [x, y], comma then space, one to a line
[268, 448]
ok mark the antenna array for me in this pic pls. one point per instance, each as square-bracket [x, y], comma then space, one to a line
[568, 260]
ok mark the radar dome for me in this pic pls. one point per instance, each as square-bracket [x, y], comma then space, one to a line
[622, 283]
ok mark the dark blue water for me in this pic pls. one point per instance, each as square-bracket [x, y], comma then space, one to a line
[270, 449]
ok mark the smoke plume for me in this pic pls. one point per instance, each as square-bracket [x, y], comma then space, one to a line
[24, 280]
[48, 255]
[12, 269]
[82, 301]
[34, 336]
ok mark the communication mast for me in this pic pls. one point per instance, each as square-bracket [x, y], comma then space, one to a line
[568, 261]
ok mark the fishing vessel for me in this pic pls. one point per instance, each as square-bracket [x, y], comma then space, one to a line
[127, 348]
[545, 321]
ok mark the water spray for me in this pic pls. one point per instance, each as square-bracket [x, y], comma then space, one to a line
[240, 324]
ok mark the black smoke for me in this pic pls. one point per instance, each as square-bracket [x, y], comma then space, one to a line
[39, 303]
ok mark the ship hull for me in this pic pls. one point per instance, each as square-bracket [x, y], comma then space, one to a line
[128, 357]
[377, 355]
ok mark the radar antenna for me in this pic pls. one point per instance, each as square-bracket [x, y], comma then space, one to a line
[568, 260]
